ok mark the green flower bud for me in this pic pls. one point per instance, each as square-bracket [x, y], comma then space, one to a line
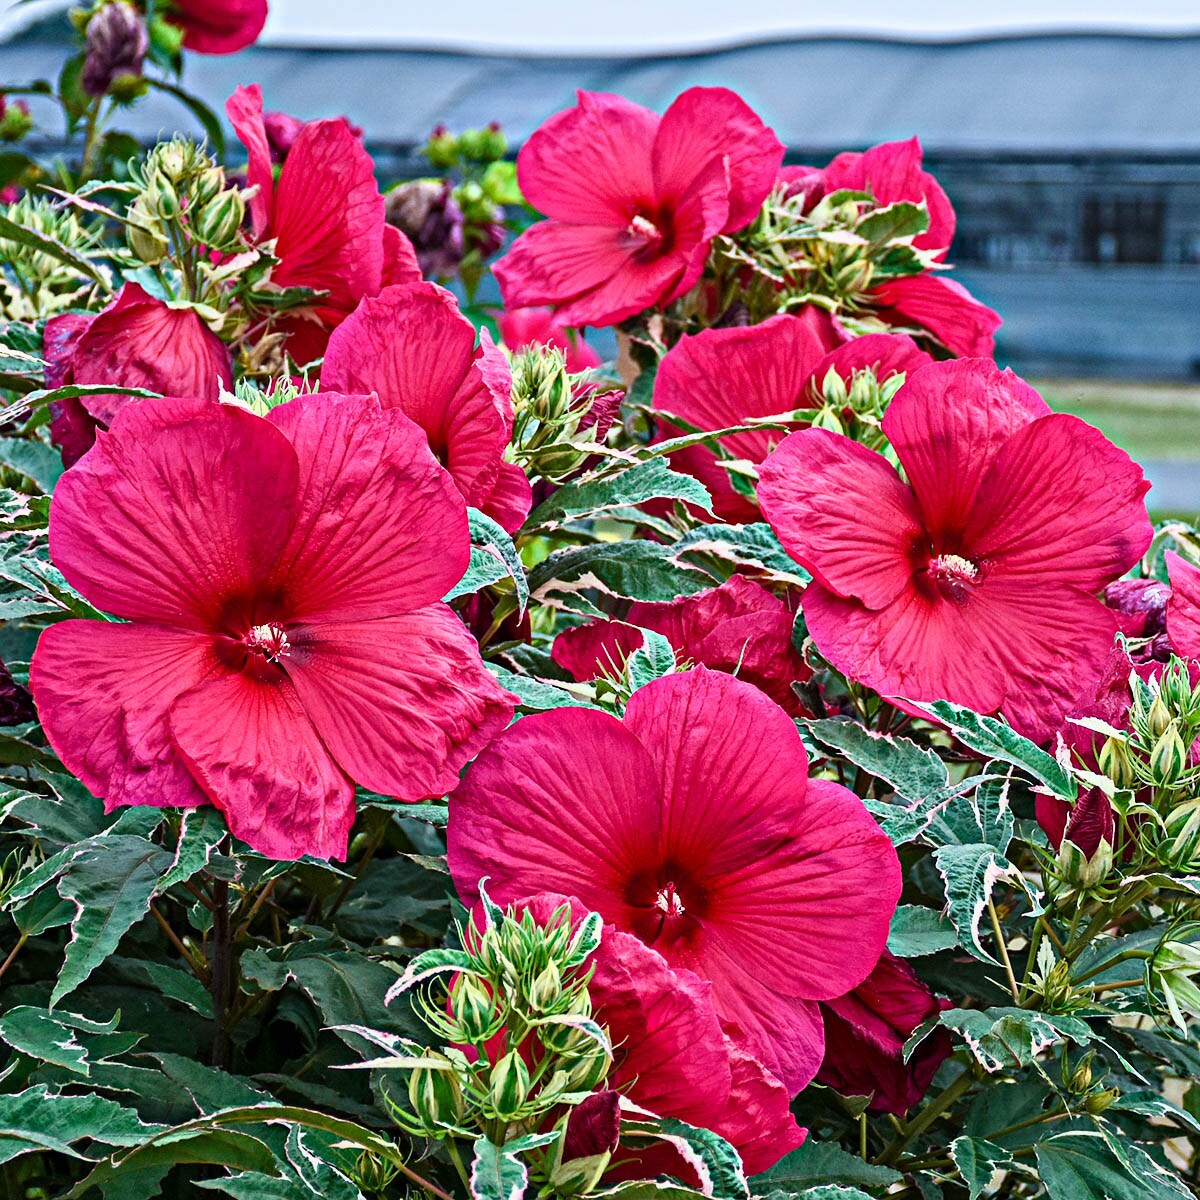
[15, 120]
[579, 1176]
[442, 148]
[1169, 757]
[1180, 847]
[220, 221]
[372, 1174]
[1102, 1101]
[1078, 870]
[1081, 1077]
[1158, 718]
[1117, 763]
[590, 1071]
[474, 1010]
[546, 989]
[144, 234]
[435, 1096]
[1056, 988]
[826, 418]
[509, 1087]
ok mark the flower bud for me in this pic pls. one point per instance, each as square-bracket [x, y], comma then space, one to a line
[372, 1174]
[586, 1147]
[1102, 1101]
[442, 148]
[509, 1086]
[827, 418]
[1117, 763]
[220, 221]
[116, 47]
[1168, 758]
[1056, 988]
[590, 1070]
[474, 1010]
[1081, 871]
[1180, 847]
[545, 989]
[15, 119]
[427, 213]
[435, 1096]
[1080, 1080]
[1158, 719]
[144, 234]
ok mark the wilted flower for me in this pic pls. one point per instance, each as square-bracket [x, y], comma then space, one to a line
[865, 1033]
[725, 377]
[1143, 604]
[976, 581]
[634, 201]
[276, 574]
[137, 341]
[326, 218]
[116, 47]
[218, 26]
[751, 894]
[739, 627]
[426, 212]
[413, 347]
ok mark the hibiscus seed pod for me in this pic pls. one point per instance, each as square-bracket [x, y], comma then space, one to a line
[509, 1087]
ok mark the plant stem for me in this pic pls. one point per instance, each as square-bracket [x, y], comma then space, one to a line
[953, 1092]
[1003, 947]
[198, 967]
[13, 953]
[459, 1165]
[222, 972]
[90, 140]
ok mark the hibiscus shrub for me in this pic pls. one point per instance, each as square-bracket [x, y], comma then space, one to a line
[438, 761]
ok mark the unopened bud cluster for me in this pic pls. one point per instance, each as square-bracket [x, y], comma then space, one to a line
[35, 284]
[553, 411]
[182, 201]
[519, 1043]
[857, 410]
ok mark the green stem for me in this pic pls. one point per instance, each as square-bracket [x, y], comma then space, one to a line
[947, 1097]
[1003, 947]
[457, 1160]
[12, 954]
[91, 140]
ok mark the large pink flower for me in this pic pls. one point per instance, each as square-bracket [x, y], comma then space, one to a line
[692, 824]
[412, 346]
[892, 172]
[1183, 607]
[865, 1032]
[218, 26]
[326, 217]
[281, 579]
[739, 627]
[671, 1055]
[137, 341]
[976, 582]
[634, 201]
[521, 327]
[724, 377]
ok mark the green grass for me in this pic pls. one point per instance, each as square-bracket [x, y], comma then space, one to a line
[1150, 421]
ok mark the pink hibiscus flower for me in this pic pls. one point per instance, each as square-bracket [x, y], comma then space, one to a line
[1183, 607]
[671, 1055]
[413, 347]
[779, 895]
[218, 26]
[976, 582]
[724, 377]
[865, 1032]
[739, 627]
[521, 327]
[326, 217]
[892, 172]
[281, 579]
[137, 341]
[634, 201]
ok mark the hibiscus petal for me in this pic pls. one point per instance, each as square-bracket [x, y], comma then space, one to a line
[591, 270]
[218, 26]
[381, 529]
[595, 649]
[757, 1118]
[964, 325]
[705, 123]
[723, 377]
[176, 513]
[1027, 650]
[885, 354]
[946, 424]
[862, 547]
[400, 263]
[104, 692]
[422, 701]
[138, 341]
[1183, 608]
[245, 112]
[328, 216]
[730, 763]
[591, 164]
[1060, 501]
[248, 742]
[564, 801]
[510, 499]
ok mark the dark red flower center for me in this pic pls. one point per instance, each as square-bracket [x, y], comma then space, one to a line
[669, 904]
[953, 576]
[648, 235]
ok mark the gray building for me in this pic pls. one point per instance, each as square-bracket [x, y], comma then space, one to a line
[1073, 159]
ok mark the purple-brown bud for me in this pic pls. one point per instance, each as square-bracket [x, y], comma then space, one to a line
[427, 213]
[117, 43]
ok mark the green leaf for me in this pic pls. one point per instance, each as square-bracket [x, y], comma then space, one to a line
[893, 223]
[977, 1161]
[66, 1040]
[635, 570]
[971, 873]
[535, 695]
[497, 1174]
[717, 1160]
[23, 235]
[493, 557]
[743, 546]
[37, 460]
[1000, 1038]
[426, 966]
[1079, 1165]
[817, 1163]
[911, 770]
[978, 816]
[653, 659]
[647, 1189]
[37, 1119]
[825, 1191]
[996, 739]
[111, 882]
[199, 836]
[917, 931]
[169, 981]
[590, 498]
